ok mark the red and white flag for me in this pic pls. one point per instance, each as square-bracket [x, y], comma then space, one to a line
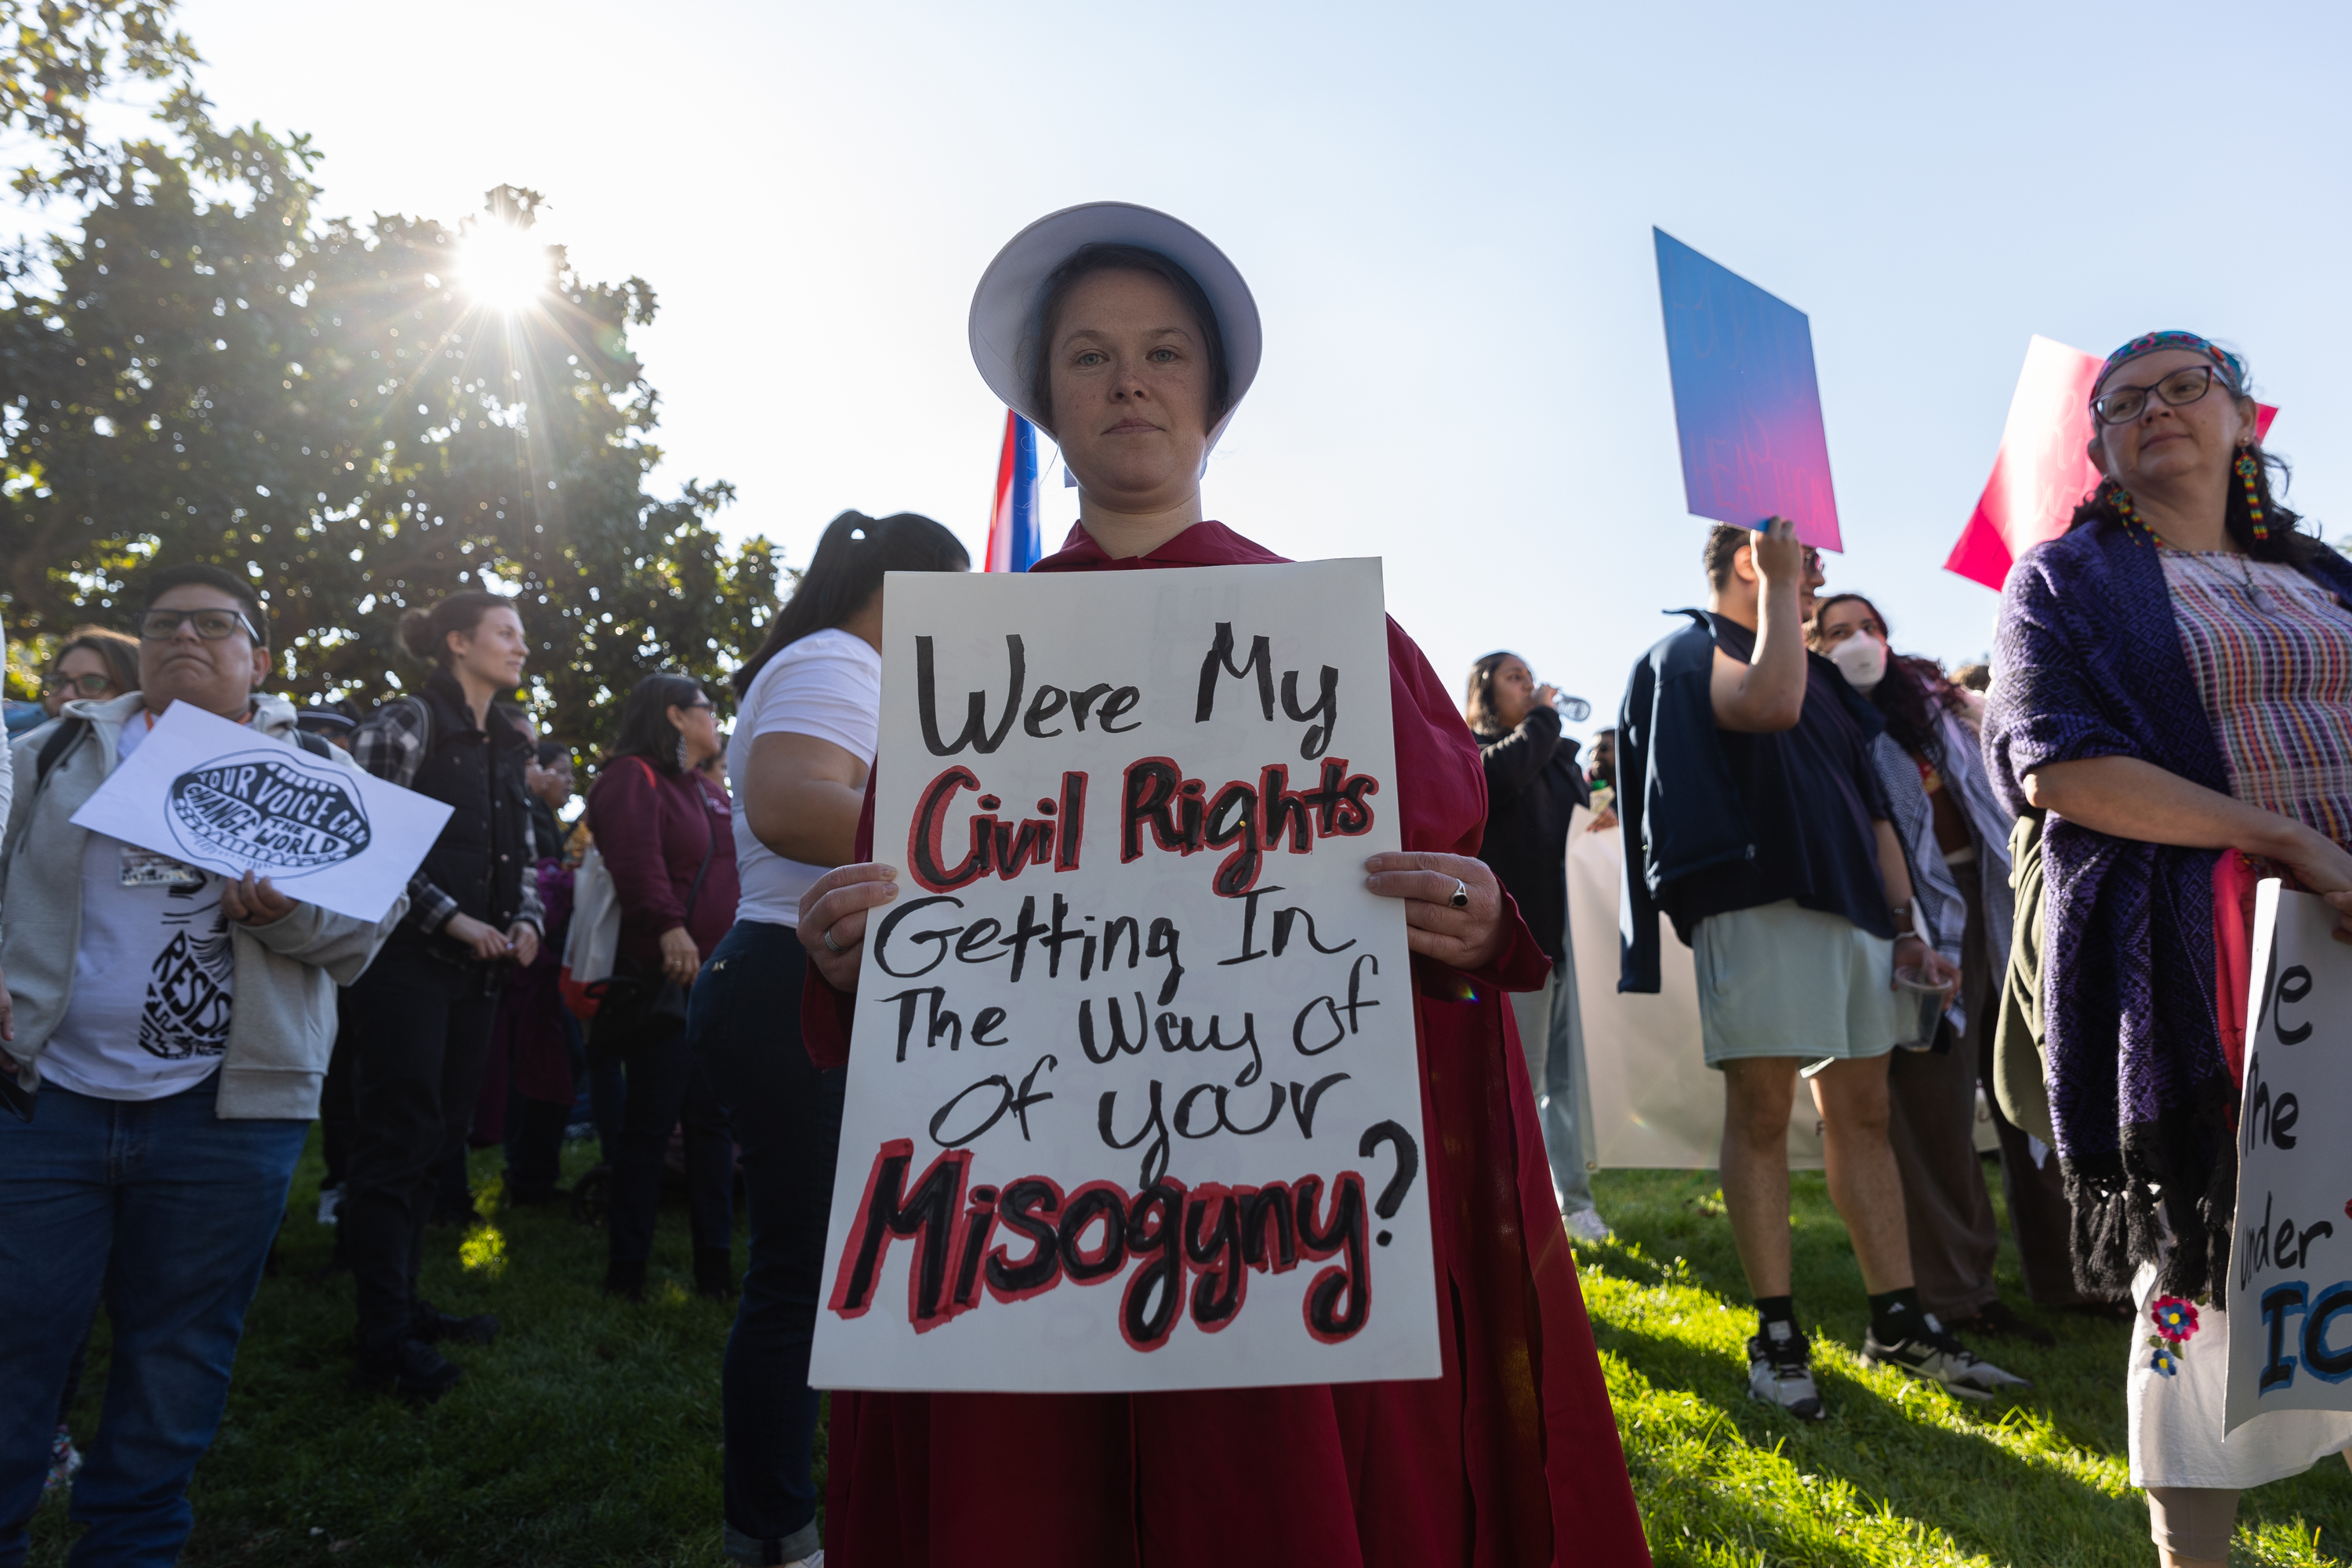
[2043, 470]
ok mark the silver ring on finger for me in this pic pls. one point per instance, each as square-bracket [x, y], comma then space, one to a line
[831, 946]
[1460, 899]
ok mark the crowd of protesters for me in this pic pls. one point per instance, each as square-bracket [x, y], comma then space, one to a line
[1903, 891]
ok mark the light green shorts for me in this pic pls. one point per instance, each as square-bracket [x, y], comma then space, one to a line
[1783, 980]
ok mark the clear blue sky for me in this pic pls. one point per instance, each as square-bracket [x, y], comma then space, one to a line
[1446, 213]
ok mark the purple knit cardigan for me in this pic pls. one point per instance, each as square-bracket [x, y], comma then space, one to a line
[2088, 663]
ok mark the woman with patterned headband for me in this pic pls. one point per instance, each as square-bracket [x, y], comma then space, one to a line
[2173, 687]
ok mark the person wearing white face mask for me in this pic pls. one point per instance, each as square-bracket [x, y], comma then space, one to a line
[1955, 835]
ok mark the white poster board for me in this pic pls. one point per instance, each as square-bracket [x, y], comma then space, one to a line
[2289, 1312]
[1656, 1105]
[1133, 1100]
[216, 796]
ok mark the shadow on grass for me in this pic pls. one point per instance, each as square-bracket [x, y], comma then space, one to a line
[1954, 1480]
[2036, 1479]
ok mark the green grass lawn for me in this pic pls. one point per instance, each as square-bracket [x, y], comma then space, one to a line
[589, 1434]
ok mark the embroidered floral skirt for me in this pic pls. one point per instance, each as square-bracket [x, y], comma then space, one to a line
[2176, 1387]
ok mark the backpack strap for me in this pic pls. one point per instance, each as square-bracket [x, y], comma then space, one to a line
[424, 721]
[53, 749]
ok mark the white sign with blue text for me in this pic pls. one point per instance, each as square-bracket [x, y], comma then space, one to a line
[2291, 1254]
[1134, 1101]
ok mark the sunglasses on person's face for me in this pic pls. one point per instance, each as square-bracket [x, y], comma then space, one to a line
[2179, 390]
[163, 626]
[87, 685]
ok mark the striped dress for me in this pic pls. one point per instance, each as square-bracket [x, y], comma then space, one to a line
[2271, 651]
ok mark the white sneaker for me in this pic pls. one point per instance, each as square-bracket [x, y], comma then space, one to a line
[1780, 1372]
[813, 1560]
[1586, 1225]
[329, 1199]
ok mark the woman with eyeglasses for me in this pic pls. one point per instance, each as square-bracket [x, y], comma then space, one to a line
[422, 1014]
[1955, 836]
[666, 832]
[94, 666]
[2173, 688]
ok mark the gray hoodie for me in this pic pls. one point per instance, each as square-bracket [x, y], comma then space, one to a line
[282, 1005]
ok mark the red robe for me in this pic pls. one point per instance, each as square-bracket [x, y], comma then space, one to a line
[1508, 1460]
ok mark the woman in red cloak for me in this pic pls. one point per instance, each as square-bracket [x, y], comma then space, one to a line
[1130, 337]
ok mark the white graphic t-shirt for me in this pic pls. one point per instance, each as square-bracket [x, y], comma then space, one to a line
[150, 1009]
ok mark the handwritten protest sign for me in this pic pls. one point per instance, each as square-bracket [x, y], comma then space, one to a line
[1133, 1099]
[216, 796]
[1747, 405]
[2291, 1255]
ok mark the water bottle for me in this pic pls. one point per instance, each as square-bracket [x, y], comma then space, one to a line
[1574, 710]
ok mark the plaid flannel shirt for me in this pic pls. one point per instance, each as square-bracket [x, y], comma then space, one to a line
[391, 745]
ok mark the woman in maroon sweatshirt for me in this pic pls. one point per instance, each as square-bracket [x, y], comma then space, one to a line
[667, 835]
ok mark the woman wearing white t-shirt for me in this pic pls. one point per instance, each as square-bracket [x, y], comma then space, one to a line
[807, 721]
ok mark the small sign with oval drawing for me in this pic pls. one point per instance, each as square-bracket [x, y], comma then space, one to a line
[269, 810]
[216, 796]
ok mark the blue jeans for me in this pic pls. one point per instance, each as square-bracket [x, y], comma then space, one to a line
[744, 1024]
[1551, 1032]
[171, 1212]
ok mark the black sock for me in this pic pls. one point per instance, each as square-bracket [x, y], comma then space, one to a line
[1771, 1309]
[1896, 1316]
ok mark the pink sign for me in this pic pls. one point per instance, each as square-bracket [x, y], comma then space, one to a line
[2042, 471]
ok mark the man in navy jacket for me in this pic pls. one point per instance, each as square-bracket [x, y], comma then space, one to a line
[1755, 821]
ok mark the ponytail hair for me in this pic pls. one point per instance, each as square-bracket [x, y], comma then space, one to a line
[425, 632]
[846, 573]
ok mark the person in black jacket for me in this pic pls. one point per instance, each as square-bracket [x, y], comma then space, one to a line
[425, 1008]
[1533, 787]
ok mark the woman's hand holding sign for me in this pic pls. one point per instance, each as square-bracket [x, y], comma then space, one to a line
[832, 917]
[1453, 905]
[254, 903]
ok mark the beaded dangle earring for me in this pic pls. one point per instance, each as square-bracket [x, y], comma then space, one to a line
[2249, 469]
[2133, 526]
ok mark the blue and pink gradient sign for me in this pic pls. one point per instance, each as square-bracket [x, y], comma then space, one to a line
[1746, 403]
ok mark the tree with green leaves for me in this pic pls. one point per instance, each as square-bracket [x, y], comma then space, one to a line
[201, 369]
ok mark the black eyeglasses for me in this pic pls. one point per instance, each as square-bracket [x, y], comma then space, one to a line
[2179, 390]
[163, 626]
[87, 685]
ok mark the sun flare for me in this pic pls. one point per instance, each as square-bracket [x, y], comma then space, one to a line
[502, 266]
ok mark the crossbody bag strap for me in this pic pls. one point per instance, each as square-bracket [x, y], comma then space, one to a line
[694, 893]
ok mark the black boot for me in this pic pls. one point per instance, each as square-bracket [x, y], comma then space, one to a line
[411, 1370]
[626, 1278]
[433, 1326]
[714, 1272]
